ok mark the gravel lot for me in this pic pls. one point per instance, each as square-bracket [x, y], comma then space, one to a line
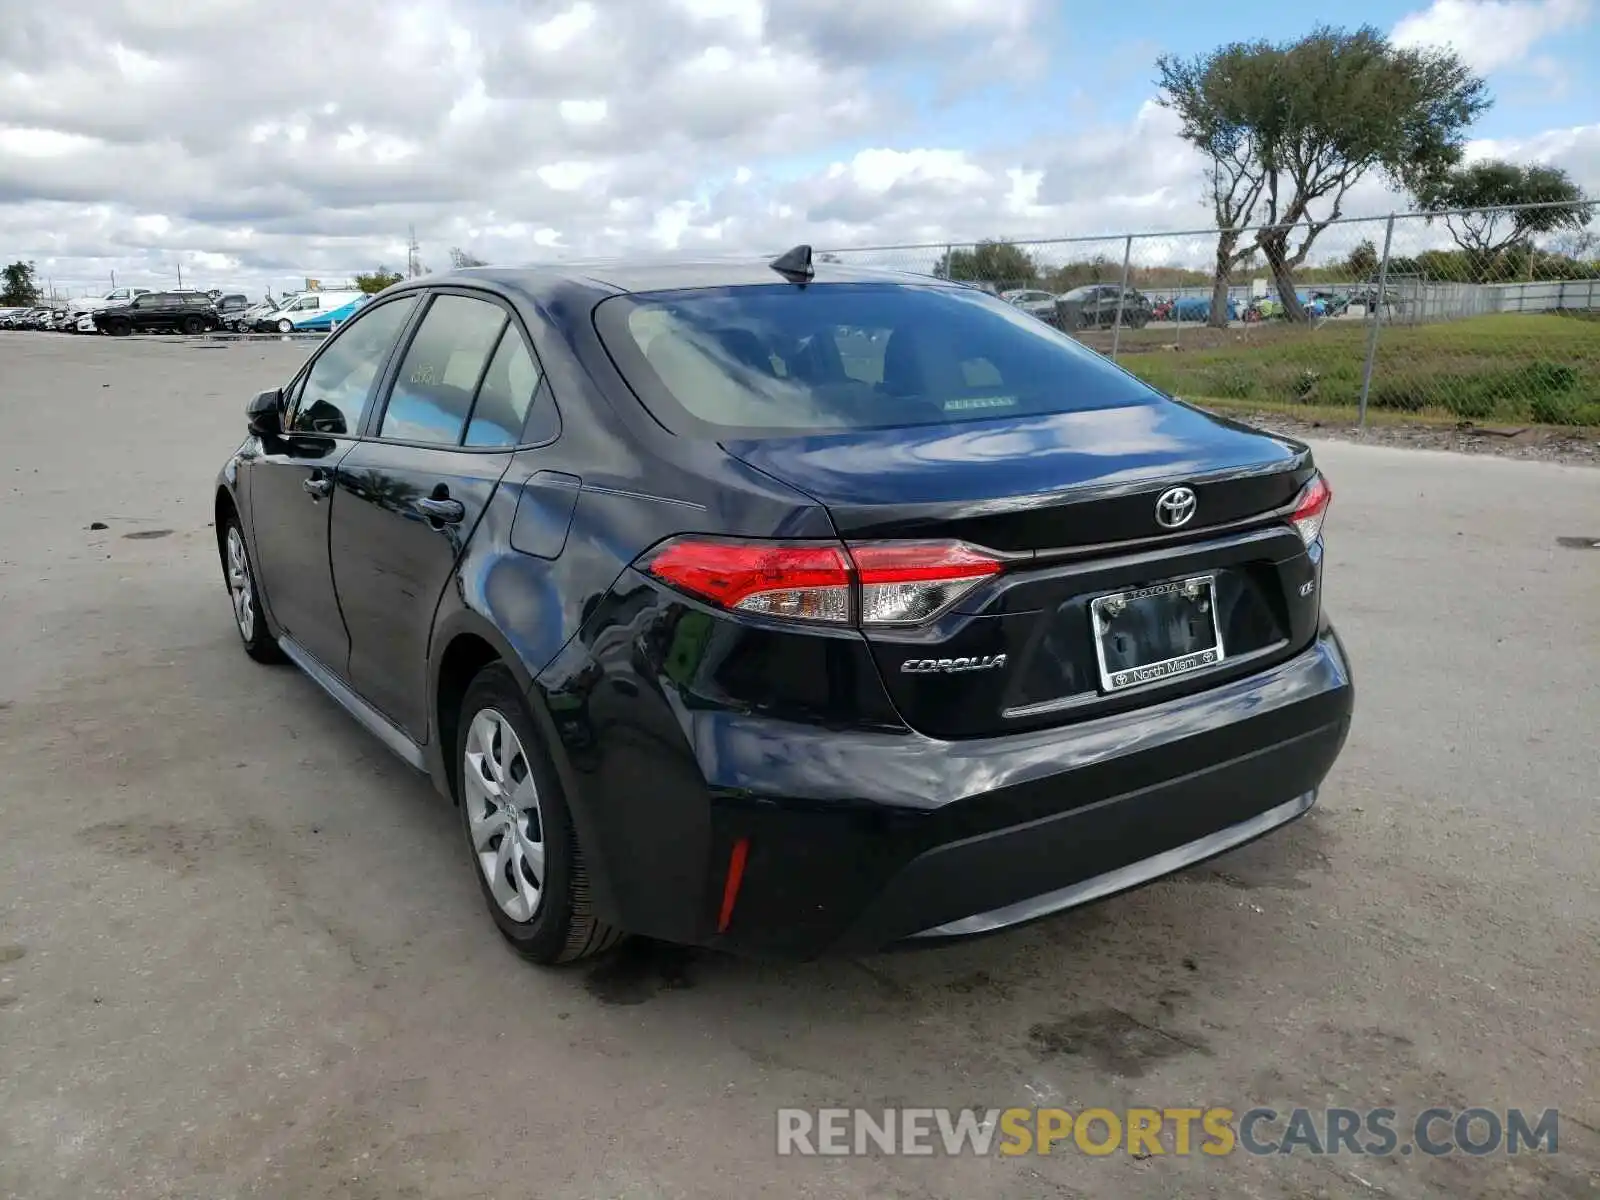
[242, 954]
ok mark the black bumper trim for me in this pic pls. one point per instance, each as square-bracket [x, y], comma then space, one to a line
[1131, 876]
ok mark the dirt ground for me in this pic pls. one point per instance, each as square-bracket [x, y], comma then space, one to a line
[1541, 443]
[242, 953]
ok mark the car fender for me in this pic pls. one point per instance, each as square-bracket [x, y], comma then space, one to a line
[456, 620]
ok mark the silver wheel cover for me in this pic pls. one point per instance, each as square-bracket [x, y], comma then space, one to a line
[503, 817]
[240, 589]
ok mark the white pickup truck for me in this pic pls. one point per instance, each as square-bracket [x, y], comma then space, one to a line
[87, 304]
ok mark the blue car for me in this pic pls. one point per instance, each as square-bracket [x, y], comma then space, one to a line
[1198, 308]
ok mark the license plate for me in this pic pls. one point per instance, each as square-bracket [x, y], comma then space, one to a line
[1156, 633]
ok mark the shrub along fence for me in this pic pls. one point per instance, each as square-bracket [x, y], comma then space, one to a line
[1456, 313]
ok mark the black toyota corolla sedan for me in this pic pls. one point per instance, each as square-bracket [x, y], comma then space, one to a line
[787, 608]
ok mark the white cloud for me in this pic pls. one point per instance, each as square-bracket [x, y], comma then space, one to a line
[1490, 34]
[584, 129]
[1575, 150]
[583, 112]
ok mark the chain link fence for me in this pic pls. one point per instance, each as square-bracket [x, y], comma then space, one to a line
[1484, 316]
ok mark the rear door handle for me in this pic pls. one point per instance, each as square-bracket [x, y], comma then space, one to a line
[444, 510]
[318, 485]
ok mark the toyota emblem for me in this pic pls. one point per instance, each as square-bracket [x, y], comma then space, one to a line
[1176, 507]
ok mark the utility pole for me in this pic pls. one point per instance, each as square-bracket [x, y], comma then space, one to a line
[413, 251]
[180, 275]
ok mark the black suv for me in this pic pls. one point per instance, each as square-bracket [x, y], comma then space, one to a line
[783, 607]
[1097, 306]
[185, 312]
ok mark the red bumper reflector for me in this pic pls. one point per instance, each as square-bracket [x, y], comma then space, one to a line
[730, 889]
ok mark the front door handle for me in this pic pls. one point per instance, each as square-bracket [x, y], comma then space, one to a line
[318, 485]
[441, 509]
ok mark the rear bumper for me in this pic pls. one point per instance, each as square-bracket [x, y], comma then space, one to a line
[858, 840]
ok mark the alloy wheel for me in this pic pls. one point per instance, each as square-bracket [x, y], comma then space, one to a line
[503, 817]
[240, 589]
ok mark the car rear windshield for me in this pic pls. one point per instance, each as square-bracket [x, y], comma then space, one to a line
[781, 358]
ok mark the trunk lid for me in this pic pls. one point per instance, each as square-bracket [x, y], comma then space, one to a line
[1070, 500]
[1038, 483]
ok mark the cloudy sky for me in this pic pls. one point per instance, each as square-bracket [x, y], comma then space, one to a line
[255, 142]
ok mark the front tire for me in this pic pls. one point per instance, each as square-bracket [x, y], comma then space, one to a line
[118, 329]
[519, 831]
[237, 570]
[285, 326]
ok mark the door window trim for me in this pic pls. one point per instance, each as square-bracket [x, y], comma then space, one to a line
[372, 418]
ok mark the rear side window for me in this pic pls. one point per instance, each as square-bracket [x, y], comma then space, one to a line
[336, 386]
[433, 390]
[507, 391]
[778, 358]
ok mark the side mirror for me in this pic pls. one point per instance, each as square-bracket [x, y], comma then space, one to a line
[264, 414]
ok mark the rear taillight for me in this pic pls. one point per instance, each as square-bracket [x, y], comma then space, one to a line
[804, 583]
[905, 583]
[871, 583]
[1310, 508]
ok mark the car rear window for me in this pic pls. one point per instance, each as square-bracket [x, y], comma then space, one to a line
[781, 358]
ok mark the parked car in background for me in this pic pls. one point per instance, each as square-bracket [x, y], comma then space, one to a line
[312, 312]
[1034, 302]
[248, 320]
[1097, 306]
[231, 307]
[10, 316]
[115, 298]
[1198, 308]
[184, 312]
[724, 624]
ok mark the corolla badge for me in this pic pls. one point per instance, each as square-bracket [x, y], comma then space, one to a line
[1175, 507]
[952, 666]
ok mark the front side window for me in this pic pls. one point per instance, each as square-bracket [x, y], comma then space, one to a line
[336, 386]
[770, 358]
[433, 389]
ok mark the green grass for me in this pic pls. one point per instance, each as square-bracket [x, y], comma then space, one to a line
[1537, 367]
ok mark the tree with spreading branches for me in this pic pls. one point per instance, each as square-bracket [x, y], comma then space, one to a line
[1288, 128]
[1481, 203]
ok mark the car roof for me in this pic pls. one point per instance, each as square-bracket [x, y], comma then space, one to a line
[623, 276]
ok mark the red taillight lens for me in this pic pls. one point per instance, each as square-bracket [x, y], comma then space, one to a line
[1310, 508]
[900, 583]
[805, 583]
[903, 583]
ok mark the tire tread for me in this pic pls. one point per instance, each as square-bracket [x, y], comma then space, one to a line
[584, 935]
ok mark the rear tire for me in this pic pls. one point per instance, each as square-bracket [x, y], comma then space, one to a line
[193, 325]
[536, 888]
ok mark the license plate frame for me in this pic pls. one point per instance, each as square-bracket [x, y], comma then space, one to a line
[1103, 610]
